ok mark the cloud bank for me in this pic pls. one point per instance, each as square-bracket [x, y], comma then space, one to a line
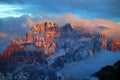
[109, 28]
[13, 28]
[85, 68]
[88, 9]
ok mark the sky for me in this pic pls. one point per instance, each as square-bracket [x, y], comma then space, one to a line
[18, 16]
[87, 9]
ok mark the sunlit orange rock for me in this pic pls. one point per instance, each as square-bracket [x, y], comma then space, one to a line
[13, 47]
[104, 41]
[41, 36]
[115, 45]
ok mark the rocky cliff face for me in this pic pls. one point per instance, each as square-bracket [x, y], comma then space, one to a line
[109, 72]
[72, 47]
[115, 45]
[40, 39]
[47, 38]
[46, 48]
[100, 42]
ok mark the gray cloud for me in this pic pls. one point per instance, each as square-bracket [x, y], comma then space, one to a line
[11, 29]
[89, 9]
[103, 28]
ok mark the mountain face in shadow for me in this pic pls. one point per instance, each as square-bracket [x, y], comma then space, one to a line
[109, 72]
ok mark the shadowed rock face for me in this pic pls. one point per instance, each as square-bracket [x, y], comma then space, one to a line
[68, 33]
[109, 72]
[67, 28]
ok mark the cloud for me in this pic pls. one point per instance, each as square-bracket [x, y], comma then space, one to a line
[110, 29]
[3, 35]
[113, 30]
[7, 10]
[85, 68]
[103, 27]
[11, 29]
[3, 40]
[29, 23]
[14, 28]
[24, 23]
[88, 9]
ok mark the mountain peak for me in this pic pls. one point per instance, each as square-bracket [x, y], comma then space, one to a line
[41, 37]
[68, 33]
[67, 27]
[43, 26]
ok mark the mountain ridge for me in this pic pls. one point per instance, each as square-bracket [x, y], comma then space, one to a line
[46, 37]
[47, 48]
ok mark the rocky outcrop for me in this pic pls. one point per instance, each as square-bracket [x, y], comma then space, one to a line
[70, 47]
[13, 47]
[40, 38]
[46, 48]
[109, 72]
[100, 42]
[68, 33]
[22, 71]
[47, 38]
[115, 45]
